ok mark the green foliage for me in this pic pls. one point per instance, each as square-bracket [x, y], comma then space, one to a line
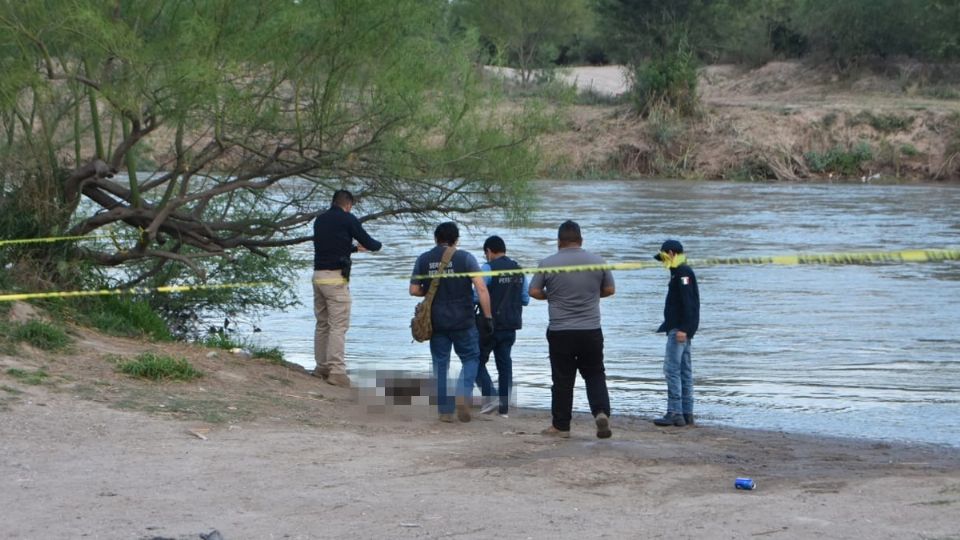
[642, 28]
[855, 29]
[664, 128]
[123, 316]
[941, 91]
[884, 123]
[159, 367]
[221, 340]
[909, 150]
[40, 335]
[753, 170]
[28, 377]
[593, 97]
[660, 41]
[667, 82]
[527, 34]
[253, 112]
[843, 161]
[755, 31]
[272, 280]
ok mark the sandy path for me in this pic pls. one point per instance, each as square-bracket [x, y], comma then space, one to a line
[77, 469]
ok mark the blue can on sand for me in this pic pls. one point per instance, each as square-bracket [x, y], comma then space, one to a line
[744, 483]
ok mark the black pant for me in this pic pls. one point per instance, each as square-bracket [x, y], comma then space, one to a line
[572, 350]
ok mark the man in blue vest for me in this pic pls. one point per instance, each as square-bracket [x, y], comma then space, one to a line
[508, 295]
[452, 317]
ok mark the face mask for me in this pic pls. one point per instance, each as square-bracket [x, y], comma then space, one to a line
[672, 262]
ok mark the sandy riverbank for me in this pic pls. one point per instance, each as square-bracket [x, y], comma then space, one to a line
[94, 454]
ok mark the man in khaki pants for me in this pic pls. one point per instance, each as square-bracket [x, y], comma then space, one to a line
[333, 234]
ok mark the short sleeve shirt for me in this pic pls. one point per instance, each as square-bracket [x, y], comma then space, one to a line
[573, 298]
[453, 305]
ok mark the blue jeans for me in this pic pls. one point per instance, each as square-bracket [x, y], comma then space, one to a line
[466, 344]
[500, 345]
[678, 370]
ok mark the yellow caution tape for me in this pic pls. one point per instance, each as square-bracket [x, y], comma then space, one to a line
[130, 290]
[52, 239]
[911, 255]
[875, 257]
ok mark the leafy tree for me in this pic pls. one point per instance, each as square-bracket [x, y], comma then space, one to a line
[202, 133]
[854, 29]
[530, 32]
[661, 41]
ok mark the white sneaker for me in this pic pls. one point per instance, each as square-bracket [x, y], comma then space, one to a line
[489, 407]
[504, 416]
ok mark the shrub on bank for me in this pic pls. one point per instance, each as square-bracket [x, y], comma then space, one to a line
[840, 160]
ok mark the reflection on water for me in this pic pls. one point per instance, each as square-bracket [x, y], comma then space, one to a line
[864, 351]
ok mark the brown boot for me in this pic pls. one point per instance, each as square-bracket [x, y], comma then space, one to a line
[603, 426]
[338, 379]
[554, 432]
[463, 410]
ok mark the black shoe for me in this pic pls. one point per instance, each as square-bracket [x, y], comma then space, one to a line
[603, 426]
[670, 419]
[688, 418]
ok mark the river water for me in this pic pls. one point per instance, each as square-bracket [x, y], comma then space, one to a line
[859, 351]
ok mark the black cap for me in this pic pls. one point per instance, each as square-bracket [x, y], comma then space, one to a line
[670, 245]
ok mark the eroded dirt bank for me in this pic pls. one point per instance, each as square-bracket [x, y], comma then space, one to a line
[782, 121]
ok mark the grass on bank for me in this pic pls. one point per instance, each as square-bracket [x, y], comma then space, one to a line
[28, 377]
[121, 316]
[159, 367]
[38, 334]
[840, 160]
[220, 340]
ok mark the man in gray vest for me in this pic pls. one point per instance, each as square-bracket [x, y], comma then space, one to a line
[574, 336]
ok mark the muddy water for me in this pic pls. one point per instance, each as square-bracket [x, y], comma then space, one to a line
[861, 351]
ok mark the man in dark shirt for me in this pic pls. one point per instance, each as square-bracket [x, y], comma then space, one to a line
[333, 234]
[681, 318]
[508, 295]
[452, 317]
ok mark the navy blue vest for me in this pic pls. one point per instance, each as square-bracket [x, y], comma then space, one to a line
[505, 291]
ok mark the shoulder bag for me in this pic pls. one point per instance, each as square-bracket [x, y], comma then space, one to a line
[421, 326]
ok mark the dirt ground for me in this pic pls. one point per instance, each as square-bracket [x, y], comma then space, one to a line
[256, 450]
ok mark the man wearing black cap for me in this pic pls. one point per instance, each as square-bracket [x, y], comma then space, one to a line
[681, 317]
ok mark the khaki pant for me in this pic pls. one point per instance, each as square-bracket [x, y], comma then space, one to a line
[331, 306]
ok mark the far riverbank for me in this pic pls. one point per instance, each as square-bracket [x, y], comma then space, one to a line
[784, 121]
